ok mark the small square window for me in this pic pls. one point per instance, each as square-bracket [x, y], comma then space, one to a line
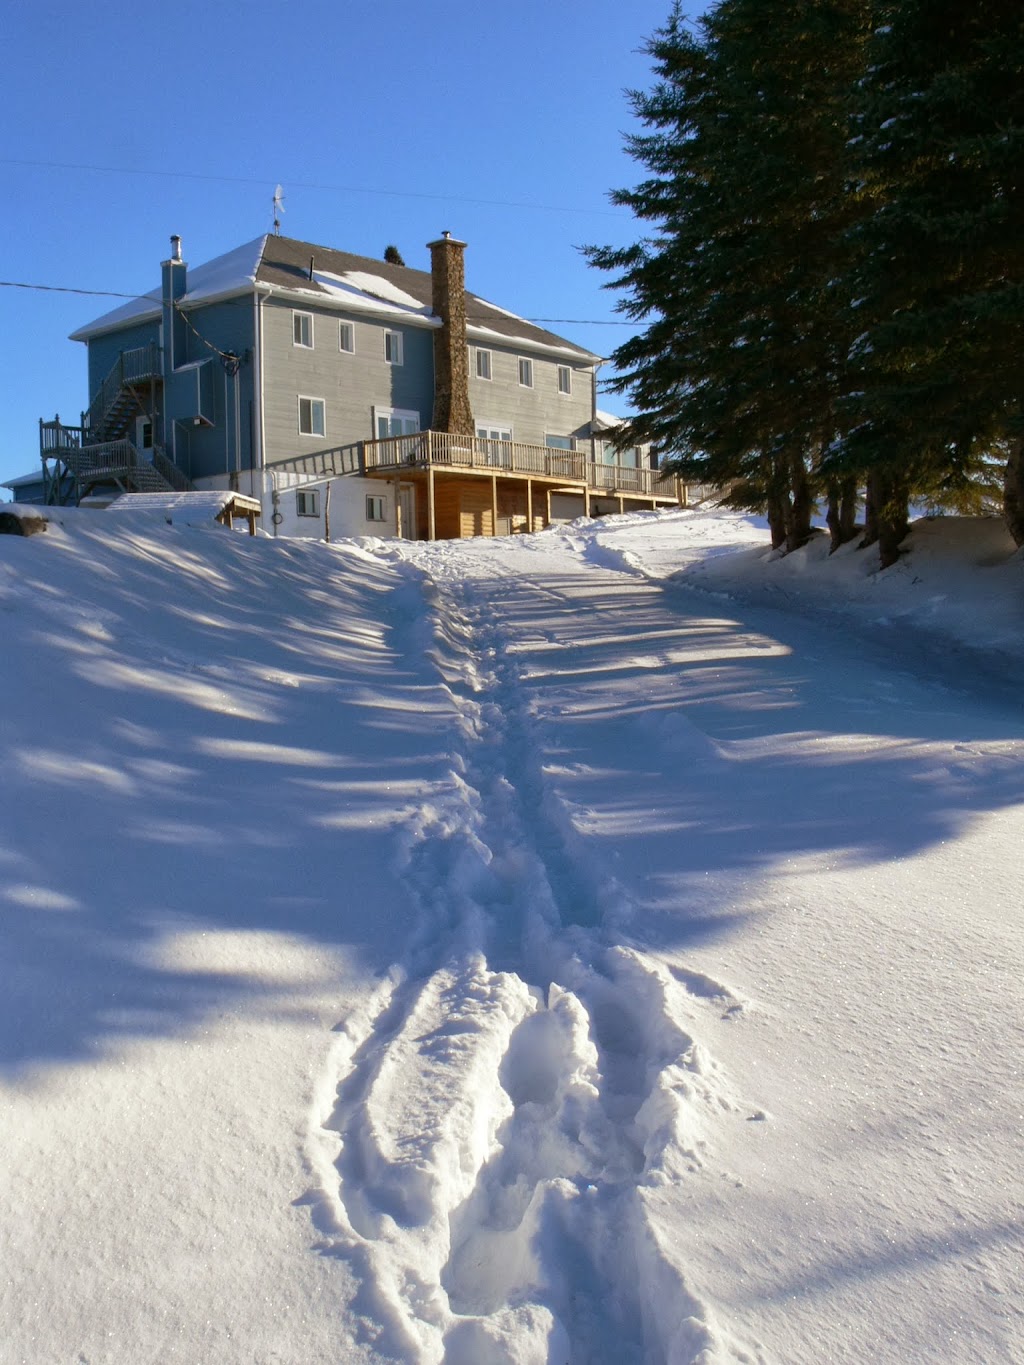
[346, 337]
[376, 508]
[307, 503]
[302, 330]
[393, 348]
[311, 417]
[483, 364]
[525, 372]
[564, 379]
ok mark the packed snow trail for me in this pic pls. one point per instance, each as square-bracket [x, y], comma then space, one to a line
[524, 1076]
[640, 779]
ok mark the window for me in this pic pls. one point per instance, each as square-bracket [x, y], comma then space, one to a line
[307, 504]
[564, 379]
[558, 442]
[395, 422]
[302, 330]
[376, 508]
[483, 364]
[346, 337]
[525, 372]
[487, 432]
[311, 417]
[393, 348]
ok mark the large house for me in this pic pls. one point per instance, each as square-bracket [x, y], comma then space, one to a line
[349, 396]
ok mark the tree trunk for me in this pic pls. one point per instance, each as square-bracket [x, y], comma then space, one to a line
[801, 505]
[1013, 491]
[841, 519]
[871, 501]
[777, 520]
[893, 514]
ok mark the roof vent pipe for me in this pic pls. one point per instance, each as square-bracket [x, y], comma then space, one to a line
[175, 247]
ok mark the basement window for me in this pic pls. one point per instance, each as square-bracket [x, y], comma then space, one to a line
[311, 417]
[393, 348]
[376, 508]
[525, 373]
[302, 330]
[307, 503]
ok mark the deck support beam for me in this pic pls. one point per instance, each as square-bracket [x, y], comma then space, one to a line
[529, 505]
[431, 526]
[494, 504]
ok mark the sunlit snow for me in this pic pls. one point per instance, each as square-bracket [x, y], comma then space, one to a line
[599, 946]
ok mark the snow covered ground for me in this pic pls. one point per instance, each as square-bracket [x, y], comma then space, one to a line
[598, 946]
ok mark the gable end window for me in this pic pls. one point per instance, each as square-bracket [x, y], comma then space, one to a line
[376, 508]
[307, 503]
[564, 379]
[346, 337]
[311, 417]
[483, 364]
[302, 330]
[393, 348]
[525, 372]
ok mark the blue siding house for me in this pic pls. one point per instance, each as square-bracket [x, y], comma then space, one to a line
[349, 396]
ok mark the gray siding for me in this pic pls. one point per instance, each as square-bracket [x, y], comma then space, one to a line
[536, 413]
[351, 384]
[104, 350]
[222, 448]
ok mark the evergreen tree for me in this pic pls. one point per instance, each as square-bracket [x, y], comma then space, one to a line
[393, 256]
[935, 384]
[736, 373]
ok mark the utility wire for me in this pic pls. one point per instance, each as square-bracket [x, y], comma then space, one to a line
[155, 298]
[311, 185]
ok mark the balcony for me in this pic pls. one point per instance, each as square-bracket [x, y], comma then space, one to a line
[571, 470]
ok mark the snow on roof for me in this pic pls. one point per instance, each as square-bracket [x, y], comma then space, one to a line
[232, 273]
[283, 265]
[358, 290]
[207, 502]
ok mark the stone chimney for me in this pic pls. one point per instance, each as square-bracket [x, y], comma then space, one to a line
[451, 365]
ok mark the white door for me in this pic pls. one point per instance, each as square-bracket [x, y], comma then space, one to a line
[407, 510]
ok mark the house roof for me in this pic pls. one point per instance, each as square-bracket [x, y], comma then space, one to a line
[320, 274]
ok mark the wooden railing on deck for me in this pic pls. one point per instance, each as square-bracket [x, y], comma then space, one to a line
[421, 449]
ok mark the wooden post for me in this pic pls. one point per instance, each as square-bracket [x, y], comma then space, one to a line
[494, 504]
[431, 527]
[547, 507]
[529, 505]
[327, 513]
[622, 503]
[586, 500]
[398, 507]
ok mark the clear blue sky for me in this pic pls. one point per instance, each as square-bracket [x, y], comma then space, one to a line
[126, 122]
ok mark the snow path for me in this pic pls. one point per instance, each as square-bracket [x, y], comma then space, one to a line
[522, 1079]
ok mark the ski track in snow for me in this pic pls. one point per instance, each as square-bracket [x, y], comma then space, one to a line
[487, 1125]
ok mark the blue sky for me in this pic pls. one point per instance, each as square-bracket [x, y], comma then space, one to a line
[384, 123]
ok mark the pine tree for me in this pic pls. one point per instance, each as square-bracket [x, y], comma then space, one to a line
[736, 373]
[393, 256]
[935, 384]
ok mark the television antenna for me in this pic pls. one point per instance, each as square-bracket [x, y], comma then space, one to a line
[278, 208]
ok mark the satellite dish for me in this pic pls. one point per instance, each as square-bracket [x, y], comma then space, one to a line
[278, 208]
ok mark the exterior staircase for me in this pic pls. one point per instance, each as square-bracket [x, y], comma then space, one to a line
[100, 453]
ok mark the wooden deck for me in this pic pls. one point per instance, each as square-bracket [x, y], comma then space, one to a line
[573, 469]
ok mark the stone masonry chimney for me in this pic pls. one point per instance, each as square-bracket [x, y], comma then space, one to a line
[451, 365]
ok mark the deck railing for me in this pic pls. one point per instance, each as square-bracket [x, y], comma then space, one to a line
[422, 449]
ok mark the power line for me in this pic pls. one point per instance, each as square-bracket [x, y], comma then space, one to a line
[155, 298]
[311, 185]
